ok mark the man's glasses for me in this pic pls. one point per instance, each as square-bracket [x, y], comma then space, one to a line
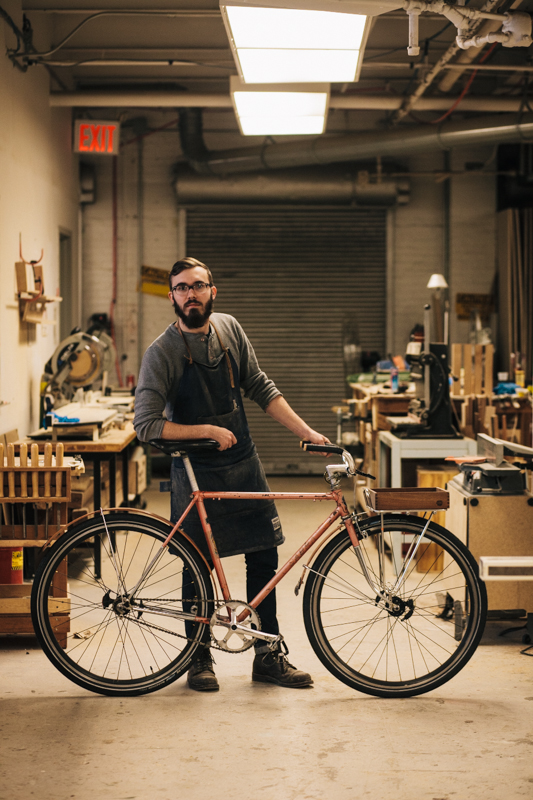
[199, 287]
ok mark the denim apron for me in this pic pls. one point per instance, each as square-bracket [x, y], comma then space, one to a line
[210, 395]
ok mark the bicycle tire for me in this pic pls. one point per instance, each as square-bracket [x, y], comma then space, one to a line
[424, 639]
[90, 635]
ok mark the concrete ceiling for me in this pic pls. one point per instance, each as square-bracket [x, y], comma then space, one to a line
[190, 53]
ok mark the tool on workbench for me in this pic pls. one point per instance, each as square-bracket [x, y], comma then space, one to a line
[430, 413]
[489, 472]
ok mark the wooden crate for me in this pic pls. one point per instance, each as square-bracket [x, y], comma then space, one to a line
[39, 495]
[432, 557]
[407, 499]
[472, 366]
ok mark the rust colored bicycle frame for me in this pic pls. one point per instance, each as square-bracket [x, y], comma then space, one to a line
[198, 497]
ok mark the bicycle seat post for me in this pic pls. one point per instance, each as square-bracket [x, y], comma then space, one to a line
[190, 472]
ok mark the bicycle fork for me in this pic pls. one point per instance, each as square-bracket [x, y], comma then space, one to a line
[380, 587]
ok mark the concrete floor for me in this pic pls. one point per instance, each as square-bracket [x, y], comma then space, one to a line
[472, 738]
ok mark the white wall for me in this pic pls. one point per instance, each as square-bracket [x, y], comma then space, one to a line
[38, 196]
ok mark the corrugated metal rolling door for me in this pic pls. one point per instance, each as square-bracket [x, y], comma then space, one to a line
[290, 276]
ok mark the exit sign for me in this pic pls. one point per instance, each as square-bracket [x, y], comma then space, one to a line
[96, 136]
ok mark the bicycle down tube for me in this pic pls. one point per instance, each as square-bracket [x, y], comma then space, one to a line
[197, 500]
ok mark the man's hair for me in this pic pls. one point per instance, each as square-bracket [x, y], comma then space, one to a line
[187, 263]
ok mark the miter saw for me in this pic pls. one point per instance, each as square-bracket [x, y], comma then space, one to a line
[79, 362]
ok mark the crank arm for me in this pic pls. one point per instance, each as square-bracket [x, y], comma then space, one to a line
[234, 626]
[273, 638]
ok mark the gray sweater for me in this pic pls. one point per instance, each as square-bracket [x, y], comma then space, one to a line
[163, 363]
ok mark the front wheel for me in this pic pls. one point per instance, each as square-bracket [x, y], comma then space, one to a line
[392, 639]
[121, 633]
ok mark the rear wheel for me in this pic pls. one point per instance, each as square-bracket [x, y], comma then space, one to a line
[119, 634]
[395, 642]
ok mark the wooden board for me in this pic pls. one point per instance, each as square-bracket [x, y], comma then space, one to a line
[113, 441]
[48, 479]
[408, 499]
[428, 478]
[22, 605]
[22, 624]
[432, 557]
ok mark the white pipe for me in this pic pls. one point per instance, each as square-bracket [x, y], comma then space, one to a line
[361, 102]
[109, 99]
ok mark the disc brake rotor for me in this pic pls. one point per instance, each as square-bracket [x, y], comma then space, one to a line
[227, 632]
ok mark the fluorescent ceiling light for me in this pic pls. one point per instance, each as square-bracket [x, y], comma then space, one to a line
[295, 29]
[280, 126]
[287, 45]
[369, 8]
[275, 110]
[300, 66]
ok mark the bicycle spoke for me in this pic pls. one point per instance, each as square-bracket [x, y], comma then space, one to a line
[104, 635]
[399, 642]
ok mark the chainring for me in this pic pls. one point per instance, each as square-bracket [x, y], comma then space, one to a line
[224, 631]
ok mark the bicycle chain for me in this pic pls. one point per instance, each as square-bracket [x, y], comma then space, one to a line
[212, 644]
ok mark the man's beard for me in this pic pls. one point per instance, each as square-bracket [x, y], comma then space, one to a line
[194, 318]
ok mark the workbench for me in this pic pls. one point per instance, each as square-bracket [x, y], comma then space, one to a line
[495, 525]
[106, 448]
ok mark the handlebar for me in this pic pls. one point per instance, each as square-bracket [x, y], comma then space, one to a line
[309, 447]
[321, 448]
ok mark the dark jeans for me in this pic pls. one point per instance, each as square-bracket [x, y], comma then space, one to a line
[260, 568]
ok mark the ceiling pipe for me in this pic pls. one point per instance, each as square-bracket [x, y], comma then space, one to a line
[370, 144]
[359, 102]
[468, 56]
[192, 139]
[410, 101]
[136, 99]
[337, 185]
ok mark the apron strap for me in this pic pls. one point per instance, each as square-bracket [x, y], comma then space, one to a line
[185, 343]
[223, 346]
[228, 362]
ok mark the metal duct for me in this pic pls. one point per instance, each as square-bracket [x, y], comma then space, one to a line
[354, 102]
[369, 144]
[192, 138]
[338, 185]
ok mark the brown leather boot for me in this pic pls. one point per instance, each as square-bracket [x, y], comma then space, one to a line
[201, 676]
[274, 667]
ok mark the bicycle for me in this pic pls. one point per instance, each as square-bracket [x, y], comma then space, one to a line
[385, 611]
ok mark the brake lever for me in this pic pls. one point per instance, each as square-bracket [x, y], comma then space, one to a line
[364, 474]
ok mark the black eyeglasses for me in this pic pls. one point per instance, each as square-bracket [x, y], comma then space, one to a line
[198, 286]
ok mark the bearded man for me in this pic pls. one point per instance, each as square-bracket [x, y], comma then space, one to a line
[189, 387]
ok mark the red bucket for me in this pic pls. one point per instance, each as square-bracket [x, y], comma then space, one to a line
[11, 561]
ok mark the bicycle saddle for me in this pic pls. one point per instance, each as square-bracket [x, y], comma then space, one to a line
[170, 447]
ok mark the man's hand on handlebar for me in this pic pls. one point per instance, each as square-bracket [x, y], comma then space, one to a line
[317, 438]
[223, 436]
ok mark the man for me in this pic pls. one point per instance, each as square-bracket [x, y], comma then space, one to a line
[194, 372]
